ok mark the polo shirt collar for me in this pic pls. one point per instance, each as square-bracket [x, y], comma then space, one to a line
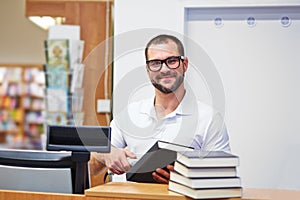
[186, 107]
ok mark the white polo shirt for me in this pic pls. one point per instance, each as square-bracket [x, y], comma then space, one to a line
[192, 124]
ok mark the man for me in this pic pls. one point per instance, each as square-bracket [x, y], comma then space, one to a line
[173, 115]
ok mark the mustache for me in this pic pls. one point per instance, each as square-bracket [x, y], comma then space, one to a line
[164, 74]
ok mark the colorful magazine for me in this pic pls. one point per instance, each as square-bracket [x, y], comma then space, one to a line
[57, 52]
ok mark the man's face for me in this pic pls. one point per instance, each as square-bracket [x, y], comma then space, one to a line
[166, 80]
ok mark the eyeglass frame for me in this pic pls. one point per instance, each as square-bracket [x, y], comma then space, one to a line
[164, 61]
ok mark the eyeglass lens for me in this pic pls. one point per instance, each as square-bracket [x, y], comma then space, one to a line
[171, 62]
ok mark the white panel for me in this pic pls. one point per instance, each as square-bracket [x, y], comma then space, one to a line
[103, 106]
[136, 14]
[56, 180]
[259, 67]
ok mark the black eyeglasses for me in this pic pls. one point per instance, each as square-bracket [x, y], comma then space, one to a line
[172, 62]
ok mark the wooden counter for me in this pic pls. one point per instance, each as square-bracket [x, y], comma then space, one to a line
[134, 191]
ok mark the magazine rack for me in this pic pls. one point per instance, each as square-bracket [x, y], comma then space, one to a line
[64, 74]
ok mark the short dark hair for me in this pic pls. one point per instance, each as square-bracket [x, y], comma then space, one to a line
[161, 39]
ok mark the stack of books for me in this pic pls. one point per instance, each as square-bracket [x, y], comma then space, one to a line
[202, 175]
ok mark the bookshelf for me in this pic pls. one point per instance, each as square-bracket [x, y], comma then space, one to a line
[21, 105]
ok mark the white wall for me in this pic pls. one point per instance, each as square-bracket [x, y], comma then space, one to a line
[260, 97]
[259, 68]
[20, 40]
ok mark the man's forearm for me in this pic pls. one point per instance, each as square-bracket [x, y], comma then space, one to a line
[96, 163]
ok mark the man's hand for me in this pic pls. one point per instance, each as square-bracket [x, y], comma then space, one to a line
[162, 176]
[116, 161]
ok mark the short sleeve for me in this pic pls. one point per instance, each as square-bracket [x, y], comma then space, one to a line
[216, 138]
[117, 139]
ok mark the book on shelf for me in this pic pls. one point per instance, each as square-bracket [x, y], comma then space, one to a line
[2, 74]
[11, 74]
[207, 159]
[197, 183]
[203, 172]
[206, 193]
[159, 155]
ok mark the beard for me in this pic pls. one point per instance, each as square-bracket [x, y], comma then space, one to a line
[172, 88]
